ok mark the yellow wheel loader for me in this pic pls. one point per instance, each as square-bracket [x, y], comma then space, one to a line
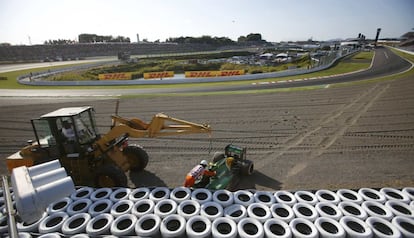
[101, 160]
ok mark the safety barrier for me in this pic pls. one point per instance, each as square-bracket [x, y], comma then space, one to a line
[183, 212]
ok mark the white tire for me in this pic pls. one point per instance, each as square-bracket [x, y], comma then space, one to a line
[201, 195]
[23, 235]
[348, 195]
[306, 197]
[101, 193]
[409, 191]
[52, 223]
[400, 209]
[121, 207]
[143, 207]
[119, 194]
[139, 194]
[50, 235]
[188, 209]
[355, 227]
[224, 227]
[235, 212]
[405, 225]
[330, 210]
[99, 225]
[243, 197]
[376, 209]
[259, 211]
[124, 225]
[33, 227]
[223, 197]
[198, 227]
[302, 228]
[250, 228]
[80, 236]
[324, 195]
[395, 194]
[79, 206]
[159, 193]
[76, 224]
[282, 212]
[99, 207]
[275, 228]
[148, 226]
[369, 194]
[306, 211]
[285, 197]
[264, 197]
[81, 193]
[211, 210]
[180, 194]
[165, 208]
[173, 226]
[59, 206]
[383, 228]
[329, 228]
[353, 209]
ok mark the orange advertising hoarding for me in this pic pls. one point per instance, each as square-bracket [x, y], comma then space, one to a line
[115, 76]
[207, 74]
[164, 74]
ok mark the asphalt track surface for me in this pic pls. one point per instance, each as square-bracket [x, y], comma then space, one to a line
[354, 136]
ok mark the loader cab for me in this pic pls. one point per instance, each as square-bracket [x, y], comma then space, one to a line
[66, 132]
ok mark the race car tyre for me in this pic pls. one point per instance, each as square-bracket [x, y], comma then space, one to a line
[99, 225]
[79, 206]
[201, 195]
[188, 209]
[285, 197]
[282, 211]
[259, 211]
[243, 197]
[409, 191]
[76, 224]
[355, 227]
[198, 227]
[330, 210]
[395, 194]
[247, 168]
[250, 228]
[137, 157]
[306, 197]
[159, 193]
[275, 228]
[142, 207]
[353, 209]
[302, 228]
[400, 209]
[180, 194]
[124, 225]
[324, 195]
[121, 207]
[369, 194]
[59, 206]
[82, 192]
[165, 208]
[99, 207]
[305, 210]
[24, 227]
[211, 210]
[236, 212]
[223, 197]
[329, 228]
[139, 194]
[264, 197]
[101, 193]
[376, 209]
[173, 226]
[224, 227]
[218, 156]
[347, 195]
[405, 225]
[148, 226]
[120, 194]
[52, 223]
[383, 228]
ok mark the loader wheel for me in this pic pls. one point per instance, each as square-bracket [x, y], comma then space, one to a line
[109, 176]
[137, 157]
[247, 168]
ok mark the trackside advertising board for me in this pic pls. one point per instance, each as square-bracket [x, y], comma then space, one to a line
[115, 76]
[207, 74]
[164, 74]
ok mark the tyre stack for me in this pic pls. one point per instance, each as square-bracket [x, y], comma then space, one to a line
[181, 212]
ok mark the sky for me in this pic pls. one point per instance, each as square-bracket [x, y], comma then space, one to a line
[35, 21]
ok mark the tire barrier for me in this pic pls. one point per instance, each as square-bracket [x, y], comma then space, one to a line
[143, 212]
[50, 235]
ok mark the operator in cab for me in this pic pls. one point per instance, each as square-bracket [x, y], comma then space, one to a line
[197, 173]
